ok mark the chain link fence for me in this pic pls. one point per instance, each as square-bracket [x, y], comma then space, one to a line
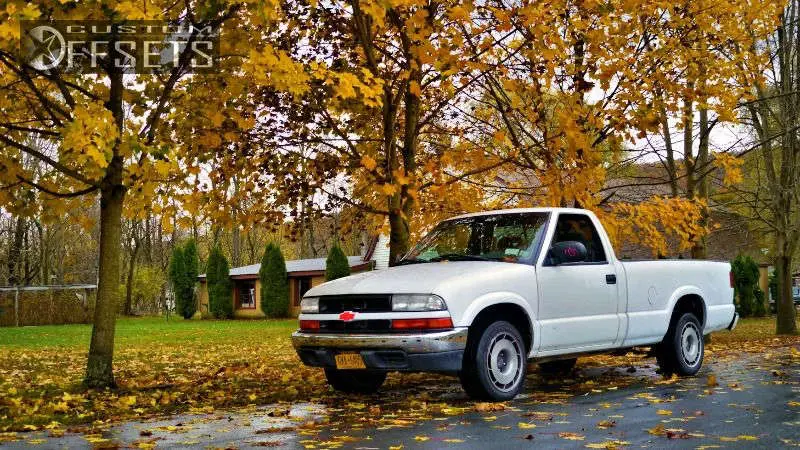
[47, 305]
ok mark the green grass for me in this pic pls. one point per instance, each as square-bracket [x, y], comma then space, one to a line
[147, 330]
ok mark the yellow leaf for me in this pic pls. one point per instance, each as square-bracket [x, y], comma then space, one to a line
[368, 162]
[421, 438]
[526, 426]
[571, 436]
[414, 88]
[389, 189]
[664, 412]
[608, 444]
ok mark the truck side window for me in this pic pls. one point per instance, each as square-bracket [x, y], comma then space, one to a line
[578, 227]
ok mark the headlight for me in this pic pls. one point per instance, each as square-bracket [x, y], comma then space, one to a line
[309, 305]
[417, 302]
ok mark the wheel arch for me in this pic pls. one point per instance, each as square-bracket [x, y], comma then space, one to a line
[689, 299]
[512, 309]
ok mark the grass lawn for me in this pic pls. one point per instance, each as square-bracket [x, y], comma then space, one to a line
[163, 367]
[133, 332]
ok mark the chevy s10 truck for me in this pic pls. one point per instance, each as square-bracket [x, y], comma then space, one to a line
[483, 293]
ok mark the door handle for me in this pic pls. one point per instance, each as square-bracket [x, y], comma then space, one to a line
[611, 279]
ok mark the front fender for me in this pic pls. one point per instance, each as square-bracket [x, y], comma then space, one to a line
[495, 298]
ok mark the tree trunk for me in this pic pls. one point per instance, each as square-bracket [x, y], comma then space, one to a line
[44, 268]
[398, 235]
[99, 365]
[786, 321]
[14, 252]
[699, 250]
[148, 243]
[236, 238]
[128, 309]
[99, 372]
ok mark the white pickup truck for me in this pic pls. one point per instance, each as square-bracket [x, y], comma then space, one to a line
[483, 293]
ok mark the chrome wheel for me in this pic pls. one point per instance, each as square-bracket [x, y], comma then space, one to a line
[691, 342]
[504, 361]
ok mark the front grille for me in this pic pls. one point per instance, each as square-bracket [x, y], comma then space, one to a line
[338, 326]
[335, 304]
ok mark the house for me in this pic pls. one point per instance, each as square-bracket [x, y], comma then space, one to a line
[303, 274]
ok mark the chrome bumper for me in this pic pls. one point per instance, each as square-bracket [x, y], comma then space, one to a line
[444, 341]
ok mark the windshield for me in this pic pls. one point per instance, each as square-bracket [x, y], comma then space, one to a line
[511, 237]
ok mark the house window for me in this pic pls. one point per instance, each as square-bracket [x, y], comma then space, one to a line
[303, 285]
[246, 294]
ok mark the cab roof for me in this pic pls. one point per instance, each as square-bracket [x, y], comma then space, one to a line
[523, 210]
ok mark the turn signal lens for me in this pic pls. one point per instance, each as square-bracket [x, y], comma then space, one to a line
[422, 324]
[732, 279]
[309, 324]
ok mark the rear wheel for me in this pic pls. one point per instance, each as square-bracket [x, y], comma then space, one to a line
[494, 363]
[681, 351]
[558, 367]
[355, 381]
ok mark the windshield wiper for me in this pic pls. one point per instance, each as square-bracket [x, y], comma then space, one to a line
[460, 257]
[404, 262]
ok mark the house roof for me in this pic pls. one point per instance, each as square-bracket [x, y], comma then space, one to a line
[297, 267]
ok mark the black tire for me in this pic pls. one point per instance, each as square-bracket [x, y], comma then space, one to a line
[355, 381]
[494, 363]
[557, 367]
[681, 352]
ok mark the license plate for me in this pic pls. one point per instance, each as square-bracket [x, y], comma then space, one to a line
[349, 361]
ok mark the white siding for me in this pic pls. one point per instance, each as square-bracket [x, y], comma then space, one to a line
[381, 253]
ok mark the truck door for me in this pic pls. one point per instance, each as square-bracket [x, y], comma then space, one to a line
[577, 301]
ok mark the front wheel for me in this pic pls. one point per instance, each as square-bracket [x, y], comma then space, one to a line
[355, 381]
[494, 363]
[681, 351]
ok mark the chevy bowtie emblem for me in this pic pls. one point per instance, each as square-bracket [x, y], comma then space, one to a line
[347, 316]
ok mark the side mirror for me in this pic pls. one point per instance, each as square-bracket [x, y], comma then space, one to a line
[567, 252]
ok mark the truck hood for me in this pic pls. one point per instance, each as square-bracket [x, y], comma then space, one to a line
[446, 279]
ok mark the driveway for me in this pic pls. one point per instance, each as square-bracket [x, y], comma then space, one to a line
[739, 400]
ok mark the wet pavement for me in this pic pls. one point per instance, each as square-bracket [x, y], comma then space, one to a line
[749, 401]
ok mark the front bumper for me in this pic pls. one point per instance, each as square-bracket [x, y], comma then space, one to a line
[421, 352]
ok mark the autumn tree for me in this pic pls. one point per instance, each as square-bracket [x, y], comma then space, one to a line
[274, 282]
[336, 264]
[585, 80]
[772, 197]
[121, 137]
[371, 130]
